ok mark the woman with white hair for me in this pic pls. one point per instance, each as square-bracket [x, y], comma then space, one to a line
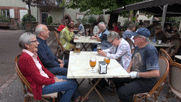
[120, 50]
[41, 80]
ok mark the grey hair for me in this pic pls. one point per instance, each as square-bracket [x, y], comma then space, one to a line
[146, 39]
[25, 38]
[113, 35]
[39, 29]
[102, 25]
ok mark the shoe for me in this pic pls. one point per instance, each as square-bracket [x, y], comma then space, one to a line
[80, 99]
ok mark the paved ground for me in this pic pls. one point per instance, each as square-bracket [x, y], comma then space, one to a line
[13, 91]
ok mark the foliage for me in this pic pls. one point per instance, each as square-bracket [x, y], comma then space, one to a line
[83, 20]
[50, 20]
[125, 24]
[96, 7]
[175, 20]
[26, 18]
[4, 18]
[55, 22]
[91, 19]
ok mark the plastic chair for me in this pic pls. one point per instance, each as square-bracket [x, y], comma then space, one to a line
[26, 86]
[164, 69]
[174, 82]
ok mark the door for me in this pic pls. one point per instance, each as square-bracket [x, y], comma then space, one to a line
[44, 16]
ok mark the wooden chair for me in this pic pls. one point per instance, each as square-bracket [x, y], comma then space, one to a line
[26, 86]
[164, 53]
[174, 82]
[61, 52]
[164, 69]
[131, 43]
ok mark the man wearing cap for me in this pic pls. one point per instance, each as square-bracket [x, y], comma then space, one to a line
[159, 35]
[143, 69]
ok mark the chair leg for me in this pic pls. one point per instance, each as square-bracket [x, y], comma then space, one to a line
[26, 99]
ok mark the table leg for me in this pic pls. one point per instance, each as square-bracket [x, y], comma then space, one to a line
[84, 46]
[94, 87]
[81, 82]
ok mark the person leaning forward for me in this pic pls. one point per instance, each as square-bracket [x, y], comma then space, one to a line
[52, 63]
[143, 68]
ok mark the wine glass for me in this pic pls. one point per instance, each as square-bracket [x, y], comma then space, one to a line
[93, 63]
[107, 60]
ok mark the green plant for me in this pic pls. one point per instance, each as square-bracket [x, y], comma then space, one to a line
[26, 18]
[84, 20]
[91, 20]
[4, 18]
[50, 20]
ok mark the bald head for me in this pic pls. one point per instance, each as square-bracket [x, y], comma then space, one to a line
[42, 31]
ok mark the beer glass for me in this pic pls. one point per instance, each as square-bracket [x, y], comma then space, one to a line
[99, 47]
[107, 60]
[92, 63]
[77, 47]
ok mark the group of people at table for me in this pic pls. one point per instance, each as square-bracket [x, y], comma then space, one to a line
[47, 73]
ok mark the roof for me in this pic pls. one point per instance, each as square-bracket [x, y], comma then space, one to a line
[153, 6]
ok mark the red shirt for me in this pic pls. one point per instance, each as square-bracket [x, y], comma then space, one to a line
[116, 29]
[60, 28]
[30, 71]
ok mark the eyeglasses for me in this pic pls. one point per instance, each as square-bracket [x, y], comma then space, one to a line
[112, 41]
[34, 41]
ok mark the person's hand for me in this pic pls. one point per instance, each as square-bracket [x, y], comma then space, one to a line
[59, 60]
[101, 52]
[58, 80]
[134, 74]
[61, 65]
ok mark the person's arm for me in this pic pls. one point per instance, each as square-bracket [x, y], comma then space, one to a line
[149, 74]
[98, 39]
[44, 58]
[121, 50]
[104, 52]
[129, 67]
[27, 65]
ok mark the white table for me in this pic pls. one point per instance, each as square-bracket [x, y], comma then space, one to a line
[85, 40]
[79, 68]
[178, 57]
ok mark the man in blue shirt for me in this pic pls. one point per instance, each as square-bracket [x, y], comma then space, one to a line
[52, 63]
[143, 69]
[102, 36]
[130, 31]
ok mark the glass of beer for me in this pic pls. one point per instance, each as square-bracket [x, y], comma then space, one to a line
[107, 60]
[77, 48]
[92, 63]
[99, 47]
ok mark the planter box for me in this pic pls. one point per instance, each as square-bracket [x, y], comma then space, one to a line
[28, 26]
[52, 27]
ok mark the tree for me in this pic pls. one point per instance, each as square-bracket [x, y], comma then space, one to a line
[96, 7]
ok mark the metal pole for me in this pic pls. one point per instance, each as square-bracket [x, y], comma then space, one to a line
[30, 17]
[164, 16]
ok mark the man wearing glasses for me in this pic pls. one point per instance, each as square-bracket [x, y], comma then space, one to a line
[143, 68]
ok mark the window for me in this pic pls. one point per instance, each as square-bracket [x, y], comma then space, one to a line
[5, 12]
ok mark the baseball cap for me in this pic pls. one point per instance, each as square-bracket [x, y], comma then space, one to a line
[143, 31]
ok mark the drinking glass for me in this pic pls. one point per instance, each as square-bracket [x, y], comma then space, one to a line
[107, 60]
[99, 47]
[93, 63]
[77, 47]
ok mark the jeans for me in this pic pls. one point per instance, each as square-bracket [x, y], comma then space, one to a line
[69, 86]
[65, 63]
[133, 86]
[58, 71]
